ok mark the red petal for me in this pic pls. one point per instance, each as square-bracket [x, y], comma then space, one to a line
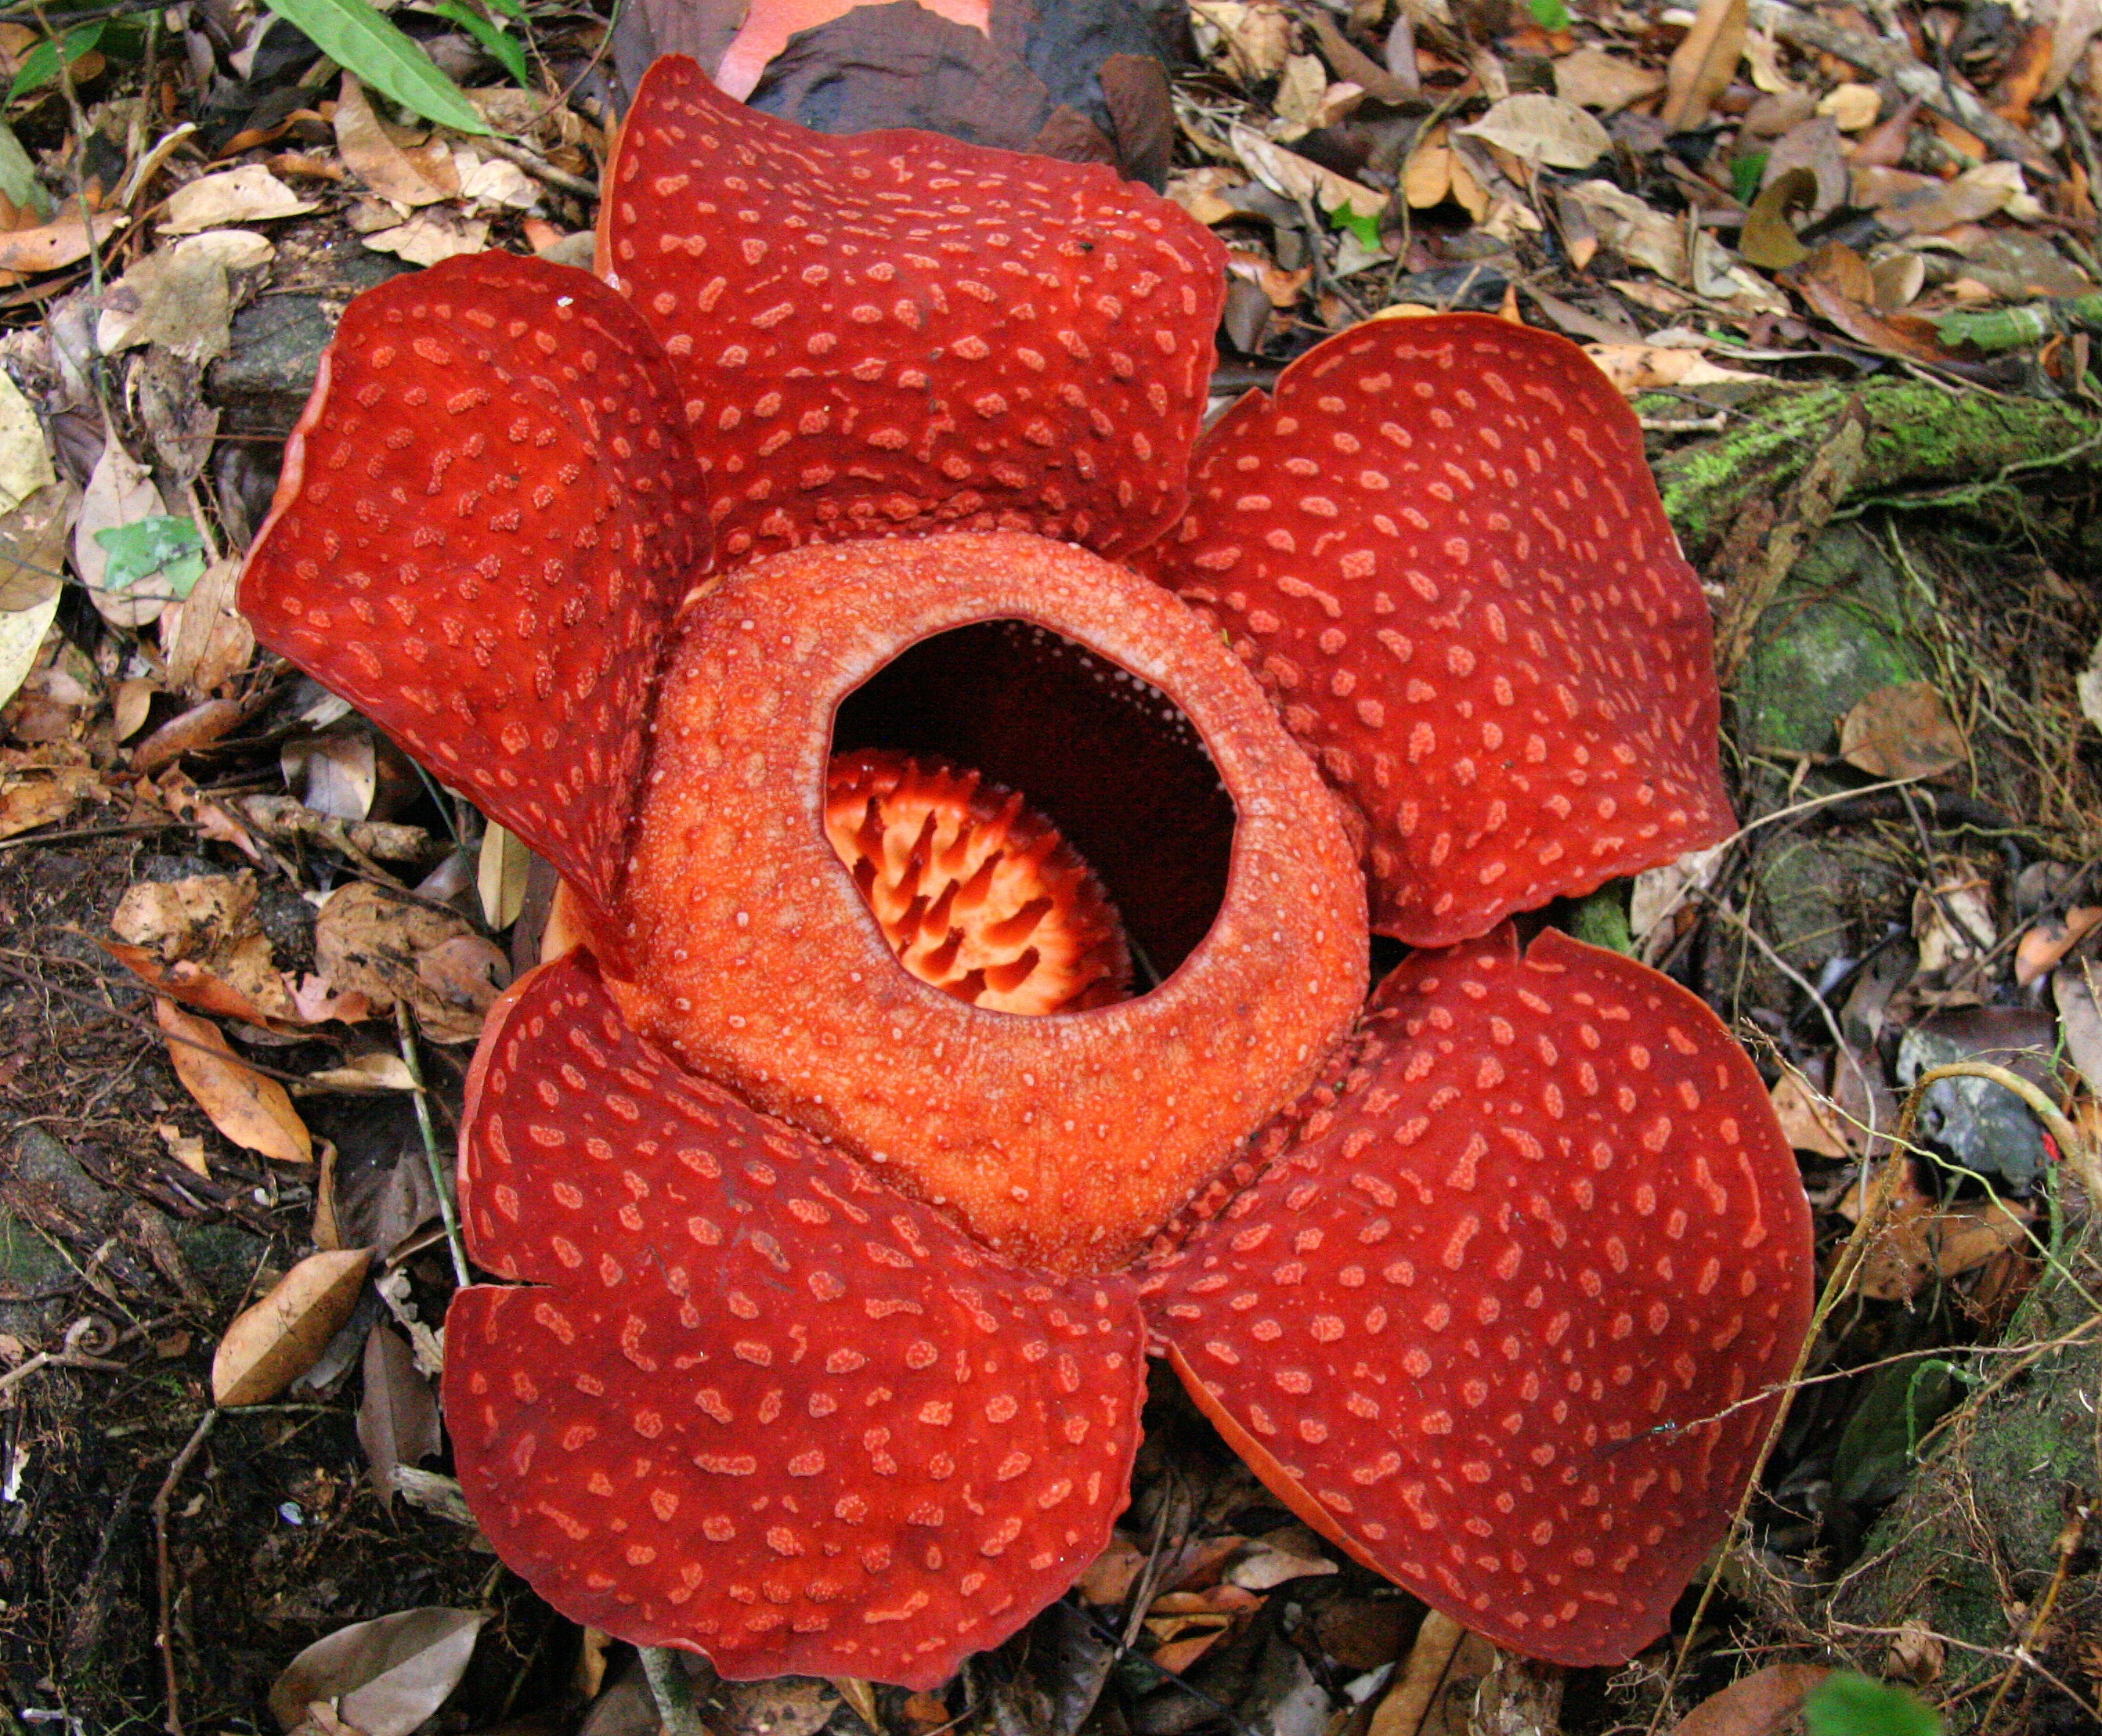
[487, 516]
[1440, 547]
[897, 332]
[767, 1409]
[1476, 1321]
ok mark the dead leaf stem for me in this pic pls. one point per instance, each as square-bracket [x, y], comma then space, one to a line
[406, 1030]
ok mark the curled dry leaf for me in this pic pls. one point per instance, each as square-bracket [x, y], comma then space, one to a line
[384, 947]
[25, 459]
[407, 174]
[251, 1110]
[500, 876]
[1761, 1704]
[271, 1344]
[1902, 730]
[209, 923]
[383, 1677]
[1768, 240]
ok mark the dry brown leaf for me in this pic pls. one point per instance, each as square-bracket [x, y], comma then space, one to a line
[1293, 1553]
[33, 549]
[383, 1677]
[397, 1415]
[211, 642]
[1702, 65]
[248, 194]
[1768, 239]
[271, 1344]
[1292, 176]
[1109, 1577]
[120, 492]
[2080, 1022]
[1953, 922]
[501, 869]
[1843, 271]
[1594, 79]
[2050, 941]
[1540, 129]
[1854, 107]
[383, 946]
[1644, 367]
[1809, 1121]
[253, 1111]
[62, 241]
[1759, 1705]
[1640, 234]
[1973, 195]
[206, 928]
[430, 236]
[1255, 35]
[1917, 1246]
[410, 175]
[41, 787]
[1902, 730]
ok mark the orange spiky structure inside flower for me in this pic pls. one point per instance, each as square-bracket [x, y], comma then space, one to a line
[976, 893]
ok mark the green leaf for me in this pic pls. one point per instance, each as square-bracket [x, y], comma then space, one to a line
[169, 549]
[1847, 1705]
[41, 65]
[502, 48]
[1550, 15]
[18, 175]
[361, 42]
[1746, 172]
[1601, 918]
[1880, 1444]
[1367, 229]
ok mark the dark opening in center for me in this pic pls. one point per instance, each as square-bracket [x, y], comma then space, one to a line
[1110, 760]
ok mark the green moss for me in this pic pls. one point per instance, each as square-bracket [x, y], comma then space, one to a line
[1835, 634]
[1920, 436]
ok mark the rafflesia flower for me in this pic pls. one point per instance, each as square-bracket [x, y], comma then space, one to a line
[968, 785]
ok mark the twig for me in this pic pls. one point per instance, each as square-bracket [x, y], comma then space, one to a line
[164, 1638]
[543, 171]
[406, 1031]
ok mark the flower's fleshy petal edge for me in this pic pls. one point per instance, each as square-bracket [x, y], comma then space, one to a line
[1440, 547]
[1475, 1322]
[764, 1408]
[1061, 1141]
[487, 516]
[895, 332]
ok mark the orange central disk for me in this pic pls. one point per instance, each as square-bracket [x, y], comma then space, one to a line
[746, 950]
[977, 894]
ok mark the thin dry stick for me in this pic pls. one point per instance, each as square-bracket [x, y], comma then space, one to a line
[406, 1032]
[164, 1637]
